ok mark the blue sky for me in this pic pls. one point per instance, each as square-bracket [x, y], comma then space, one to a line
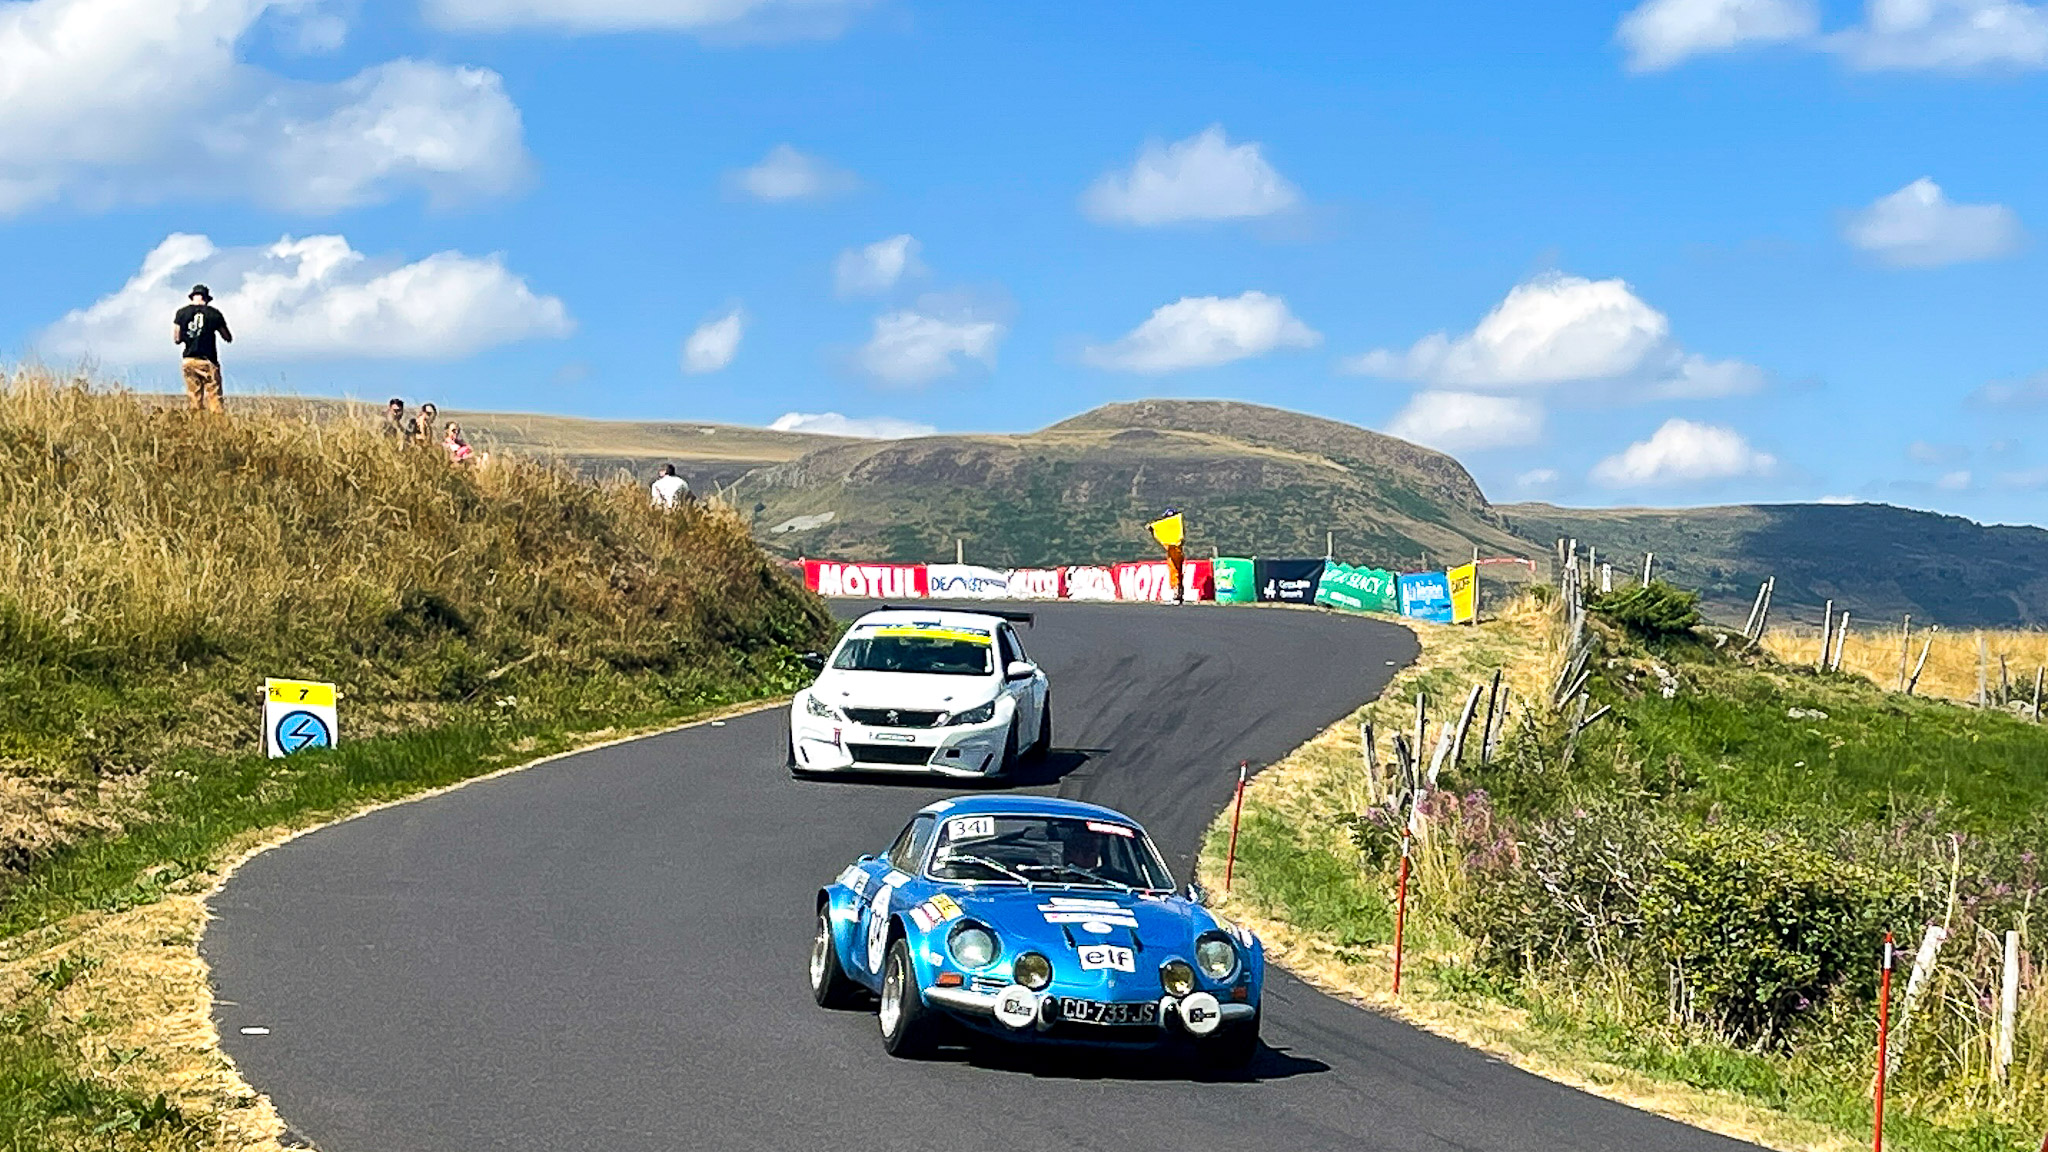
[1673, 252]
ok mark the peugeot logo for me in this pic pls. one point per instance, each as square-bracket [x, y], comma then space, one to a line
[893, 716]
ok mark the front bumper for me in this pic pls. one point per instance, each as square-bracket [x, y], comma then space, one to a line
[832, 745]
[1179, 1016]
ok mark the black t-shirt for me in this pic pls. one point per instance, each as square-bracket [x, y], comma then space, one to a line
[198, 326]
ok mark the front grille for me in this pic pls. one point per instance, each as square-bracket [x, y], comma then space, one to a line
[893, 717]
[889, 753]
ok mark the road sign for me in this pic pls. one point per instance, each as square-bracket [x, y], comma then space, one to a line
[298, 715]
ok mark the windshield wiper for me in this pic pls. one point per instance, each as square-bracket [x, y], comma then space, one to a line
[991, 865]
[1077, 870]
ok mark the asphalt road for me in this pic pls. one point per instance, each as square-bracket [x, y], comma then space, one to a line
[607, 952]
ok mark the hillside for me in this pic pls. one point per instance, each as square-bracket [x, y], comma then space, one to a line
[1252, 479]
[1877, 560]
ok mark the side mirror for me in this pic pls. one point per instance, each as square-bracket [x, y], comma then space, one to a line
[1020, 670]
[1198, 894]
[813, 661]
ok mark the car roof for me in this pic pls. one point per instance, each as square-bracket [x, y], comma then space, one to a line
[1024, 806]
[942, 617]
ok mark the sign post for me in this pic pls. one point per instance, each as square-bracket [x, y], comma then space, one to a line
[297, 715]
[1401, 909]
[1884, 1020]
[1236, 812]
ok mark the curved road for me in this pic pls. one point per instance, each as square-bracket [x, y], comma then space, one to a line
[607, 952]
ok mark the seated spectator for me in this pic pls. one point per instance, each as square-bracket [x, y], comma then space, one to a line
[458, 448]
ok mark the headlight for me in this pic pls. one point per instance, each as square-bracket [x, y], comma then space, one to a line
[1032, 971]
[1178, 978]
[981, 715]
[817, 707]
[972, 945]
[1217, 955]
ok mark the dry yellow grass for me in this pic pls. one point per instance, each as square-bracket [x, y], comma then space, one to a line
[1951, 671]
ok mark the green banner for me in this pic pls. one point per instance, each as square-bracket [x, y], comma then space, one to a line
[1234, 583]
[1358, 589]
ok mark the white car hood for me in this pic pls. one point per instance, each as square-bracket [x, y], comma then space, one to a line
[903, 690]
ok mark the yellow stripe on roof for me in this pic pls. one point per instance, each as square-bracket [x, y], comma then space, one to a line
[960, 634]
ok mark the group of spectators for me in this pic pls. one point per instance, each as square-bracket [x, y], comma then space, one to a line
[418, 429]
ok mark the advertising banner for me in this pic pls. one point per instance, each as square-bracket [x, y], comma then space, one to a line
[1358, 589]
[1089, 583]
[1235, 583]
[1034, 584]
[1426, 596]
[1149, 580]
[1464, 581]
[967, 582]
[866, 581]
[1287, 581]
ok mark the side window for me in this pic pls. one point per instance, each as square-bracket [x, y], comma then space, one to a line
[1012, 651]
[908, 850]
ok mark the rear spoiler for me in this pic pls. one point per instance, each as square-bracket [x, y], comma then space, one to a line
[1028, 619]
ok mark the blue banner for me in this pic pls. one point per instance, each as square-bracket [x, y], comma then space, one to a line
[1426, 596]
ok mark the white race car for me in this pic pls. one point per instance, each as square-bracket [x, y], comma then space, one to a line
[934, 690]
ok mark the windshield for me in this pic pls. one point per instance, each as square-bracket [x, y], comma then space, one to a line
[929, 649]
[1047, 850]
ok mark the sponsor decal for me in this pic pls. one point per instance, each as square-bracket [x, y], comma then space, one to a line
[1287, 581]
[971, 827]
[1426, 596]
[1108, 957]
[1090, 583]
[1016, 1006]
[1464, 584]
[1093, 915]
[895, 737]
[1112, 829]
[868, 581]
[1201, 1013]
[1034, 584]
[934, 912]
[878, 925]
[1152, 580]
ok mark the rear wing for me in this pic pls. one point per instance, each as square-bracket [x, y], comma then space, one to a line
[1028, 619]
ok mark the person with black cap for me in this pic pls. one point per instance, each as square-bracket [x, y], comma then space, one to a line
[197, 327]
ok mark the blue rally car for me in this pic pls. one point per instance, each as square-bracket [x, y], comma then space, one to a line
[1036, 920]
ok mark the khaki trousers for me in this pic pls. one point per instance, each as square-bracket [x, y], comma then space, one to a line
[202, 385]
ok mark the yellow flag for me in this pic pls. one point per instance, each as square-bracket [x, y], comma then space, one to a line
[1167, 530]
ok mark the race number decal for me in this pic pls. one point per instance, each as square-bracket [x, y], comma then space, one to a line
[971, 827]
[1108, 956]
[878, 926]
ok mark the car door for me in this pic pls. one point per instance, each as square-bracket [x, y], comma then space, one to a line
[1029, 694]
[892, 884]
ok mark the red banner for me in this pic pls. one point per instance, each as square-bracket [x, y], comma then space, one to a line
[1149, 580]
[866, 581]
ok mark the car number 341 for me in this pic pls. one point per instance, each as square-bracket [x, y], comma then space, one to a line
[1100, 1012]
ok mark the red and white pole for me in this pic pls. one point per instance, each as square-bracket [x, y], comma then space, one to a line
[1884, 1024]
[1236, 814]
[1401, 910]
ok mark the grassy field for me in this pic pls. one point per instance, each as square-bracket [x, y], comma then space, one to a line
[1683, 909]
[159, 564]
[2010, 660]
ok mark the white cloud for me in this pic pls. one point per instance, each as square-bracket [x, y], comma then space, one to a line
[1925, 452]
[118, 101]
[1948, 35]
[1558, 329]
[1840, 500]
[313, 298]
[864, 427]
[2014, 393]
[1954, 481]
[1682, 452]
[715, 342]
[1661, 33]
[876, 268]
[787, 174]
[1204, 177]
[1204, 331]
[1920, 227]
[2030, 479]
[914, 346]
[1536, 478]
[1466, 421]
[741, 19]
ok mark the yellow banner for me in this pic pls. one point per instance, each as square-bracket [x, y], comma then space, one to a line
[308, 692]
[936, 634]
[1167, 530]
[1464, 581]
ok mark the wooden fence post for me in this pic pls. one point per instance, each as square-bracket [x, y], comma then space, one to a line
[1841, 641]
[1827, 625]
[2008, 1007]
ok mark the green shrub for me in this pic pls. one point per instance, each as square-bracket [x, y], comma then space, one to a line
[1651, 610]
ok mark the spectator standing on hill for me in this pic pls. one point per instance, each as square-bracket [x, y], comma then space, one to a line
[423, 430]
[396, 424]
[670, 490]
[198, 327]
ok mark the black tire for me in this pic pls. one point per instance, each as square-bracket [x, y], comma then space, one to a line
[910, 1029]
[1233, 1047]
[1042, 747]
[831, 987]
